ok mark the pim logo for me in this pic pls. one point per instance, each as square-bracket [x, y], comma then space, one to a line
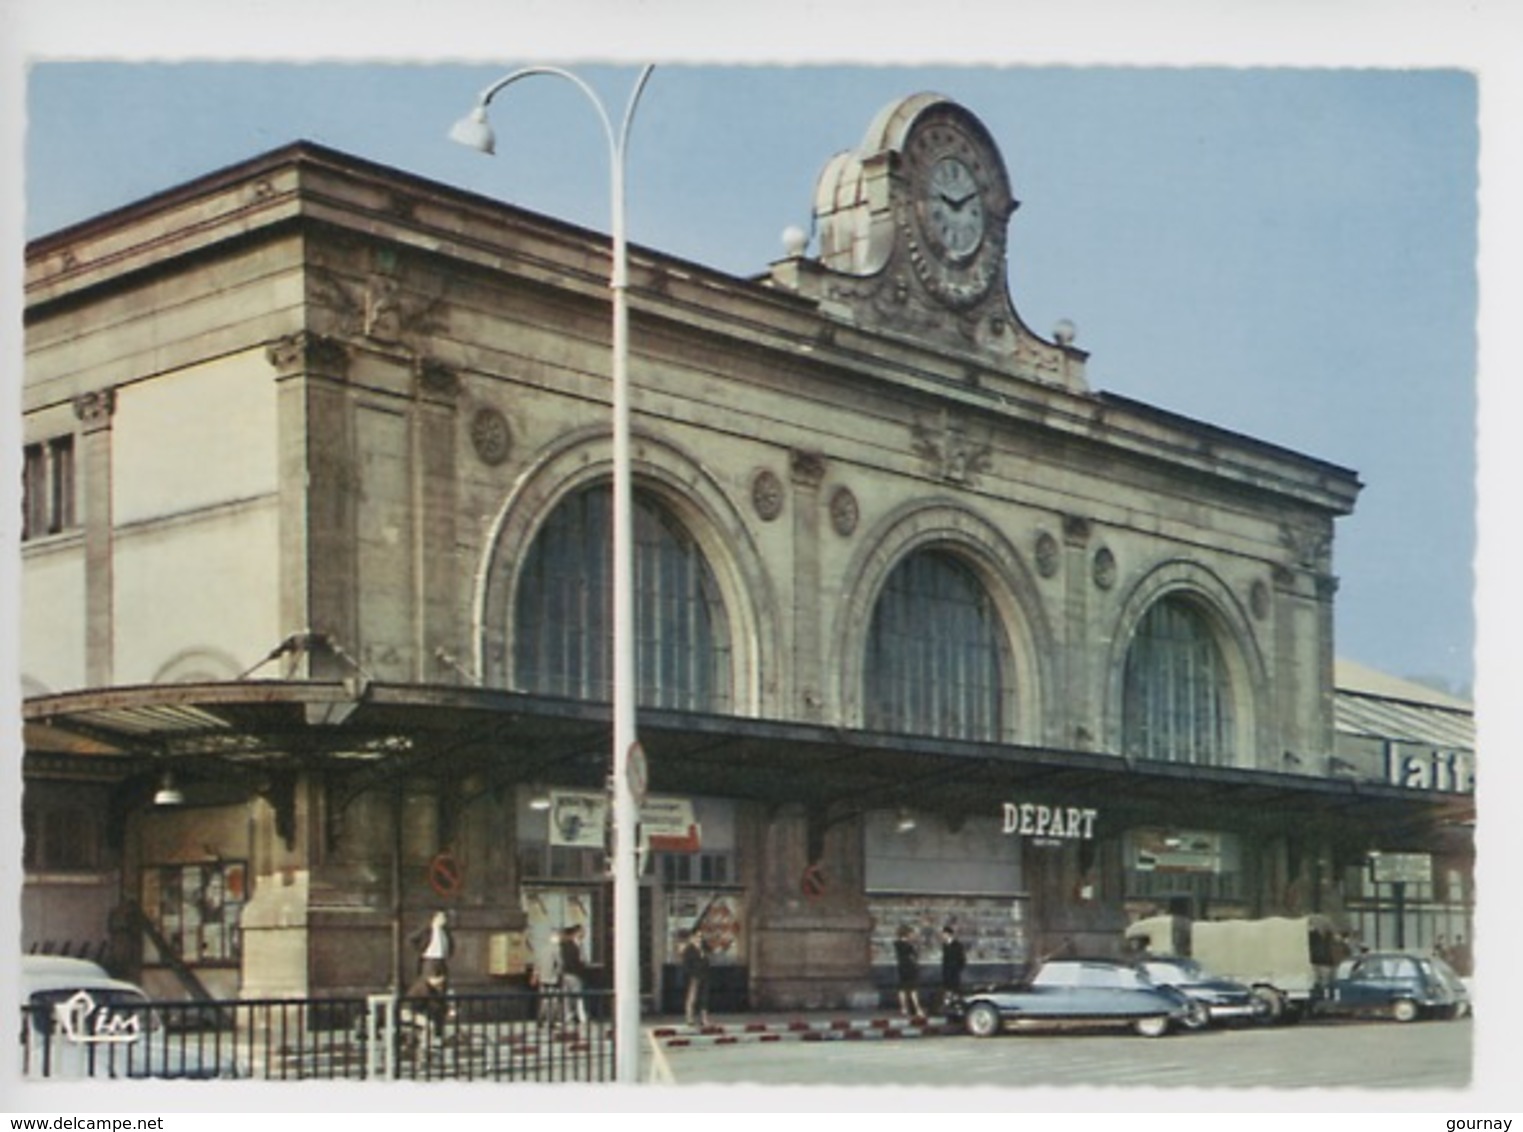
[83, 1021]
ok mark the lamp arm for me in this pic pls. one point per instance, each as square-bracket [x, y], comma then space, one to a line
[616, 143]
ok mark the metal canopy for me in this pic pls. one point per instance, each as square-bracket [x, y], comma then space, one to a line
[373, 732]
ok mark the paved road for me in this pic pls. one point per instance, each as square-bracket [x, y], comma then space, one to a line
[1372, 1055]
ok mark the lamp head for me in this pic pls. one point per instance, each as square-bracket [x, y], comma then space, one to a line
[475, 131]
[168, 794]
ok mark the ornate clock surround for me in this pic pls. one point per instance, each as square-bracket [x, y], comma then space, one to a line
[911, 229]
[953, 203]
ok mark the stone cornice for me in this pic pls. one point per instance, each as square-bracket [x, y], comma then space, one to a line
[672, 300]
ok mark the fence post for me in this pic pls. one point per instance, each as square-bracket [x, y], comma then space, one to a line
[380, 1036]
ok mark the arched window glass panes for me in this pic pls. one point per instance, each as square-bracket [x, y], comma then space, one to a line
[935, 658]
[1177, 704]
[562, 643]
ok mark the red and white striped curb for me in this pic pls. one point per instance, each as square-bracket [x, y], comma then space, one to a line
[843, 1029]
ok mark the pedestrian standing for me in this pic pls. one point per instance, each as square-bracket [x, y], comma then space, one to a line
[435, 945]
[954, 957]
[695, 969]
[547, 979]
[573, 975]
[907, 964]
[1459, 956]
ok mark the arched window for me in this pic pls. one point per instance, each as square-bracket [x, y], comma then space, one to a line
[563, 610]
[935, 655]
[1177, 704]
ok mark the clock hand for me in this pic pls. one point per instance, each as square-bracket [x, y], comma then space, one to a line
[958, 202]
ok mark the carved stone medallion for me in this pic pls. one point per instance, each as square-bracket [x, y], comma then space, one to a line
[844, 512]
[1104, 568]
[767, 495]
[1047, 554]
[491, 436]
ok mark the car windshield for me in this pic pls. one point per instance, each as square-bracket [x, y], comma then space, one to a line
[1446, 973]
[1057, 975]
[1174, 970]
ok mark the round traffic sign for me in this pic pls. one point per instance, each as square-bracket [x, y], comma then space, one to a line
[444, 875]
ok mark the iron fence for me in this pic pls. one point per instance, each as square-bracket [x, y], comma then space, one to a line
[458, 1037]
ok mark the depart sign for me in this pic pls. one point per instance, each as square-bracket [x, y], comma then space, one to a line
[1033, 819]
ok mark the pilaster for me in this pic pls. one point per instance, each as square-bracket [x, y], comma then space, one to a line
[807, 474]
[319, 486]
[95, 411]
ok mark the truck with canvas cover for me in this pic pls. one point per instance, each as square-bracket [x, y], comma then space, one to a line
[1288, 961]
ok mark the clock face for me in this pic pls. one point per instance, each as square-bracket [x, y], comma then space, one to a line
[952, 223]
[954, 209]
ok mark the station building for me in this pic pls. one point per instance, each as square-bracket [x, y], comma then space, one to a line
[315, 601]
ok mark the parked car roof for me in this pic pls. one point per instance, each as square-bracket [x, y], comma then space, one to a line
[61, 972]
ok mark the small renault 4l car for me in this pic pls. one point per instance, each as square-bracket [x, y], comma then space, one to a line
[1398, 985]
[79, 1022]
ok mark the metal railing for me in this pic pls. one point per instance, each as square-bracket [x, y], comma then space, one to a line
[458, 1037]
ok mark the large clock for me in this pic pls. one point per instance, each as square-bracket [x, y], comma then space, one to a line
[954, 207]
[957, 206]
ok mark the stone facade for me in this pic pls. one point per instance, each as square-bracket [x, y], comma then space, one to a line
[324, 409]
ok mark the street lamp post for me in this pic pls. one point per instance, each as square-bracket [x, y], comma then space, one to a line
[475, 131]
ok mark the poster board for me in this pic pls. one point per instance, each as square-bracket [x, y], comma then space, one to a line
[198, 909]
[721, 914]
[992, 928]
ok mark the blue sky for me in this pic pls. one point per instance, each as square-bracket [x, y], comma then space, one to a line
[1284, 252]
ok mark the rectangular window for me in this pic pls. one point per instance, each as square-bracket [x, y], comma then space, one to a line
[34, 495]
[61, 484]
[47, 488]
[60, 838]
[697, 868]
[561, 862]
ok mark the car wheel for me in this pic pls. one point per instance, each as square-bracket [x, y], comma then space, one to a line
[983, 1020]
[1404, 1010]
[1155, 1026]
[1197, 1016]
[1274, 1004]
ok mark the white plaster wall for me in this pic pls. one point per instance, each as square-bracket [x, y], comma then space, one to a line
[195, 549]
[51, 616]
[196, 438]
[208, 584]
